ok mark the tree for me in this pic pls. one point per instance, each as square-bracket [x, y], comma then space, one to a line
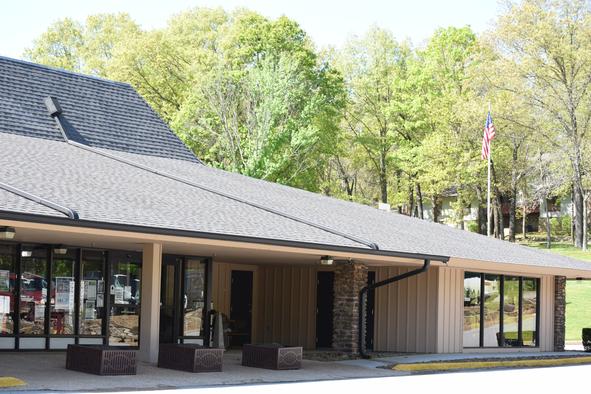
[84, 48]
[375, 69]
[547, 45]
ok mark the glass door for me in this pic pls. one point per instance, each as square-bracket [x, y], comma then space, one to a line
[124, 297]
[183, 299]
[169, 300]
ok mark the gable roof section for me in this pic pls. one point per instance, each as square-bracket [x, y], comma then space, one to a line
[104, 114]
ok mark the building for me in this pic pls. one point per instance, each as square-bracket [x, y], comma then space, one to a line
[558, 209]
[113, 232]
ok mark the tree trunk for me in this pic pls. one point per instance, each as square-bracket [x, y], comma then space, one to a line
[585, 222]
[548, 229]
[513, 194]
[411, 199]
[420, 201]
[481, 212]
[512, 213]
[578, 219]
[383, 177]
[435, 202]
[578, 194]
[524, 221]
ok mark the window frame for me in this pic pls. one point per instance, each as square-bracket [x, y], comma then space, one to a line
[501, 311]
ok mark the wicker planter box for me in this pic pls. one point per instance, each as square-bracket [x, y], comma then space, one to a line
[101, 360]
[272, 356]
[190, 358]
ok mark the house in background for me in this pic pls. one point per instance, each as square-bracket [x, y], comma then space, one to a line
[113, 232]
[558, 208]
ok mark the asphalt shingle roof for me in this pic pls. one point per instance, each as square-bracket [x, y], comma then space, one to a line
[106, 114]
[34, 157]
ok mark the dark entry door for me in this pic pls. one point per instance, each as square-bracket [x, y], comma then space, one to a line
[169, 299]
[369, 317]
[324, 309]
[241, 308]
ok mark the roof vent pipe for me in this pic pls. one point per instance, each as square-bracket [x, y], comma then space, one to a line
[53, 106]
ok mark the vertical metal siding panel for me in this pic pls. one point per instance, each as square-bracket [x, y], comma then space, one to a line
[380, 310]
[429, 333]
[419, 295]
[301, 335]
[312, 309]
[452, 309]
[410, 331]
[399, 343]
[460, 327]
[440, 312]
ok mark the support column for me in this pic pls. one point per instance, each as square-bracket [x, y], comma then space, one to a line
[349, 279]
[150, 302]
[559, 312]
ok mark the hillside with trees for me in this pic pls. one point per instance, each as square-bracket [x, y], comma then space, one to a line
[378, 120]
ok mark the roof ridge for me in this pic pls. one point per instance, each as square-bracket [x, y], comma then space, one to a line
[63, 71]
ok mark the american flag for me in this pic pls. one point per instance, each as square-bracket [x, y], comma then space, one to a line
[489, 134]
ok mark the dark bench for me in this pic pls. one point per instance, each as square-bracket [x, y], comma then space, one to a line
[190, 358]
[272, 356]
[101, 360]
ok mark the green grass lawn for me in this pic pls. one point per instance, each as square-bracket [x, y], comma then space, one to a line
[578, 293]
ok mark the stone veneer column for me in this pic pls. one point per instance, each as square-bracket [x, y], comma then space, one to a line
[559, 312]
[349, 279]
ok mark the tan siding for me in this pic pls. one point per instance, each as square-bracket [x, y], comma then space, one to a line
[404, 312]
[449, 310]
[289, 297]
[547, 313]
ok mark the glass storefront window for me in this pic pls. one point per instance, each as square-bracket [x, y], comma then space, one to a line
[92, 293]
[492, 309]
[529, 311]
[511, 311]
[7, 289]
[124, 294]
[193, 297]
[512, 298]
[33, 295]
[472, 309]
[62, 293]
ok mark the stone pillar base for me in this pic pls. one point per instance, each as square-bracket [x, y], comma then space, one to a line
[559, 312]
[349, 279]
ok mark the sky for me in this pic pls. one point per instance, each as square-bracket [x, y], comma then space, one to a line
[328, 22]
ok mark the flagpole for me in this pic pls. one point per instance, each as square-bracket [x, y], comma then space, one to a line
[488, 221]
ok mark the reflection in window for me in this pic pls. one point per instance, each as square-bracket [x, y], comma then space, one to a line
[514, 297]
[529, 310]
[33, 291]
[471, 309]
[7, 289]
[492, 309]
[511, 311]
[62, 293]
[193, 298]
[92, 293]
[125, 299]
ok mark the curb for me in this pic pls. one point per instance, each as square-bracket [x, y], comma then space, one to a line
[447, 366]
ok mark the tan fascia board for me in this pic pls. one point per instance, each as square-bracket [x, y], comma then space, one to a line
[140, 237]
[510, 268]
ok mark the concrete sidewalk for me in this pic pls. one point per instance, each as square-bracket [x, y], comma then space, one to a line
[46, 371]
[422, 358]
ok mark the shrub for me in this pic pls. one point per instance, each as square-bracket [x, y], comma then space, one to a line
[567, 224]
[473, 226]
[556, 226]
[586, 334]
